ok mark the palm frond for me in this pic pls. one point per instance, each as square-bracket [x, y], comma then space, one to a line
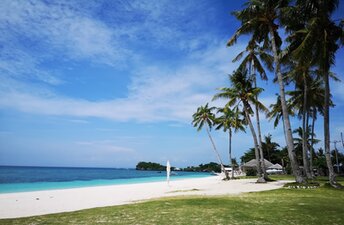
[238, 57]
[244, 29]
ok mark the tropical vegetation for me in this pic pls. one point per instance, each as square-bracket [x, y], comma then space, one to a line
[242, 95]
[205, 116]
[208, 167]
[150, 166]
[229, 120]
[300, 63]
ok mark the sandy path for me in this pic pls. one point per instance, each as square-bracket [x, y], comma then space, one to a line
[24, 204]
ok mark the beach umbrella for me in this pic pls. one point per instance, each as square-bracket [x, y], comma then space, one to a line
[168, 171]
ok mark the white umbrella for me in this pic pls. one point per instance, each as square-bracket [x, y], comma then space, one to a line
[168, 171]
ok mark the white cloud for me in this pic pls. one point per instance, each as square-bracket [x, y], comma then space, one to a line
[78, 121]
[36, 32]
[104, 146]
[69, 30]
[155, 93]
[139, 109]
[59, 27]
[171, 22]
[19, 65]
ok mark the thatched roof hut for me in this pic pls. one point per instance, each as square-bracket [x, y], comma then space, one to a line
[276, 166]
[253, 164]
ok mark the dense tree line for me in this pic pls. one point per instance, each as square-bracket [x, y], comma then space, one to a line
[301, 62]
[208, 167]
[150, 166]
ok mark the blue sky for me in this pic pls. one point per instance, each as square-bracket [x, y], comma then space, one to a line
[111, 83]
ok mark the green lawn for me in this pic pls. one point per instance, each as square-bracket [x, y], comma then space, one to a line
[284, 206]
[274, 177]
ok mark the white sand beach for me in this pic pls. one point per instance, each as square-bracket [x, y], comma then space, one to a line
[13, 205]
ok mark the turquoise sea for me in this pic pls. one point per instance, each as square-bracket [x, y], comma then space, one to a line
[22, 179]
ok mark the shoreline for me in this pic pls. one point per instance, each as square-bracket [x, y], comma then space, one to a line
[24, 204]
[55, 185]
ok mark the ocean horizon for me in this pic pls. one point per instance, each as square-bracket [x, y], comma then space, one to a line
[38, 178]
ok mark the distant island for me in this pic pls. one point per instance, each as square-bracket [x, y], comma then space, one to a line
[151, 166]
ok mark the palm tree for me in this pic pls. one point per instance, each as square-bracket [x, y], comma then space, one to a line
[315, 100]
[259, 18]
[230, 119]
[308, 104]
[202, 116]
[276, 112]
[298, 141]
[254, 56]
[243, 94]
[270, 148]
[301, 74]
[321, 39]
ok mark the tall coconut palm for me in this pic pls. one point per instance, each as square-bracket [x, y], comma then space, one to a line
[302, 75]
[308, 106]
[316, 100]
[205, 116]
[230, 119]
[321, 40]
[242, 93]
[259, 19]
[255, 56]
[255, 60]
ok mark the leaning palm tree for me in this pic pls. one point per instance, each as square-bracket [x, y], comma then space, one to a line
[243, 94]
[230, 119]
[321, 38]
[253, 61]
[205, 116]
[259, 19]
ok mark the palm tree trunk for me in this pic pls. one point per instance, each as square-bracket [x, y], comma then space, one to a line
[255, 140]
[332, 175]
[308, 145]
[312, 142]
[304, 132]
[287, 127]
[259, 134]
[217, 154]
[230, 151]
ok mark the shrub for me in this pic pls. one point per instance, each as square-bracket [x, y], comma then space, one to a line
[251, 172]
